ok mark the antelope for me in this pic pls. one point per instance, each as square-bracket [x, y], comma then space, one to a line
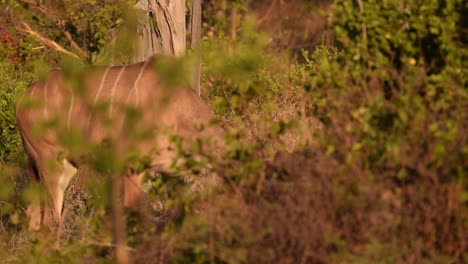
[178, 111]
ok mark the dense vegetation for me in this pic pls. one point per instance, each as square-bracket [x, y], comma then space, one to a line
[369, 130]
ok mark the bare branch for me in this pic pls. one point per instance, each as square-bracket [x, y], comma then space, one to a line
[47, 42]
[73, 44]
[364, 28]
[60, 22]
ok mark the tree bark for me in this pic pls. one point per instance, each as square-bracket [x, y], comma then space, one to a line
[195, 40]
[161, 28]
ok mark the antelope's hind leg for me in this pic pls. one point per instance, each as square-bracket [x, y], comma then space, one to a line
[34, 209]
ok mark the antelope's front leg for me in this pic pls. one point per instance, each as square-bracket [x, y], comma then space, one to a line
[57, 182]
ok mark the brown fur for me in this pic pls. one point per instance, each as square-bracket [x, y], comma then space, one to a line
[168, 110]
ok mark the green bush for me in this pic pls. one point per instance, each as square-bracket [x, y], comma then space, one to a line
[400, 81]
[394, 100]
[86, 28]
[12, 82]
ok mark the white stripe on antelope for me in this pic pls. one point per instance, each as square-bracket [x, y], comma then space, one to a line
[176, 111]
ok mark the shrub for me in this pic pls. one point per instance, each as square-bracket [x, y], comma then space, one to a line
[86, 27]
[393, 101]
[12, 82]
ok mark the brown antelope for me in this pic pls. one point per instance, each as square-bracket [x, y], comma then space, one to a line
[175, 111]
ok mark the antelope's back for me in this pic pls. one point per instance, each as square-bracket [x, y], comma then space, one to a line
[99, 105]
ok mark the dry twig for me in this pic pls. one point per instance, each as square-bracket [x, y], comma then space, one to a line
[47, 42]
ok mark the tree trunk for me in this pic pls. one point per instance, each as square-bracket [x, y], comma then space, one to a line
[195, 40]
[161, 28]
